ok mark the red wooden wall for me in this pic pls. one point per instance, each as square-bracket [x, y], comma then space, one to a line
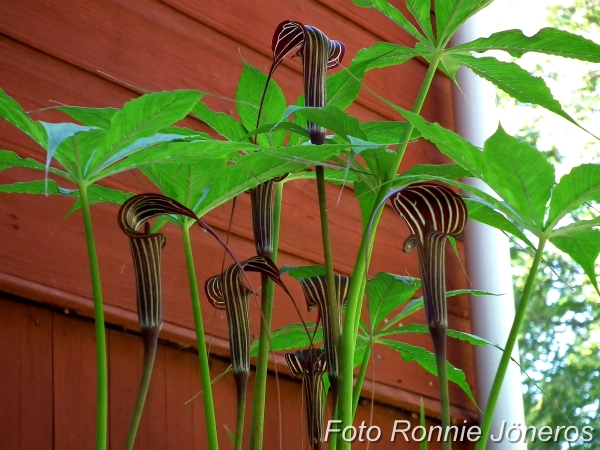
[61, 51]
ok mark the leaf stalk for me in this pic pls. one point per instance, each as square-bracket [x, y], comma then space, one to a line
[209, 409]
[486, 421]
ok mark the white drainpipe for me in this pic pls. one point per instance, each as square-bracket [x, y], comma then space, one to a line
[487, 253]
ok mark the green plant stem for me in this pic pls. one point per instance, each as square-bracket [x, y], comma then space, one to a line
[486, 421]
[357, 284]
[268, 291]
[209, 409]
[101, 359]
[439, 344]
[241, 412]
[150, 345]
[361, 377]
[334, 307]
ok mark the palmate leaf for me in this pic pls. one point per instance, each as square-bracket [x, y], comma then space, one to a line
[248, 97]
[247, 172]
[12, 112]
[584, 247]
[386, 292]
[176, 151]
[269, 128]
[516, 82]
[141, 118]
[451, 14]
[582, 184]
[550, 41]
[385, 8]
[426, 360]
[58, 133]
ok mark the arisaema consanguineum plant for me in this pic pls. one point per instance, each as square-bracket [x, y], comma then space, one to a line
[110, 141]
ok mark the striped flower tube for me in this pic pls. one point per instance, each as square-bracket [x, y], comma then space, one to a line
[311, 365]
[315, 294]
[432, 213]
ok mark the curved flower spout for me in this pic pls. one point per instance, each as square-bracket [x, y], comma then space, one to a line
[432, 212]
[311, 365]
[318, 54]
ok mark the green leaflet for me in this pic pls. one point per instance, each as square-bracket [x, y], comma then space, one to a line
[450, 14]
[12, 112]
[384, 7]
[516, 82]
[187, 183]
[290, 337]
[248, 96]
[520, 174]
[386, 132]
[426, 360]
[222, 123]
[584, 247]
[421, 11]
[330, 117]
[10, 159]
[550, 41]
[91, 117]
[484, 213]
[366, 197]
[386, 292]
[344, 86]
[383, 54]
[582, 184]
[96, 193]
[303, 271]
